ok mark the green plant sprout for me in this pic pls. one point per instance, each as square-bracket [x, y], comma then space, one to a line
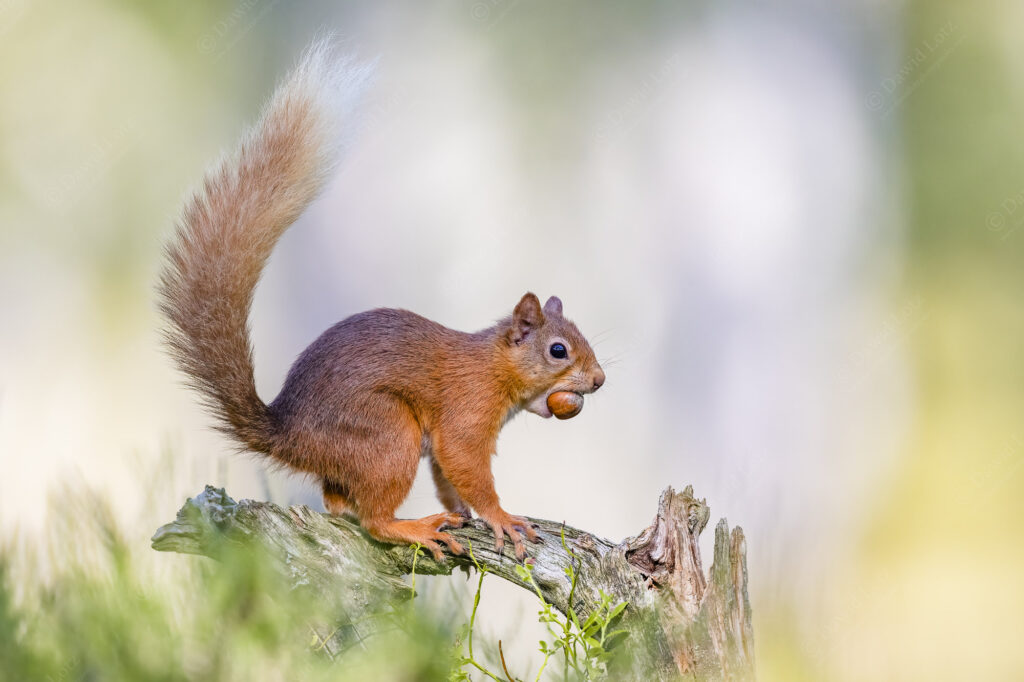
[458, 673]
[586, 647]
[417, 552]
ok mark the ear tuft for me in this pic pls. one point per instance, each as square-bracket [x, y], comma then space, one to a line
[553, 306]
[525, 318]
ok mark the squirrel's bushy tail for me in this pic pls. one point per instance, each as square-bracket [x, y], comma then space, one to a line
[230, 225]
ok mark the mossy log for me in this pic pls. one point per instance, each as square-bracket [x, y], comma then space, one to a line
[682, 623]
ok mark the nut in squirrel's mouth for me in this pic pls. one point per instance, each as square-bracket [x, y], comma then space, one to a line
[560, 403]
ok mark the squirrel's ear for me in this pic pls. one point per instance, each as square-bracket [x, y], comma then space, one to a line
[553, 306]
[525, 318]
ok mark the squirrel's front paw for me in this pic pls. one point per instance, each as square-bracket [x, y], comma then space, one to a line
[515, 527]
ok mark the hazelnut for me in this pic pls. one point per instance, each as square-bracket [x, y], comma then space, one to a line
[565, 404]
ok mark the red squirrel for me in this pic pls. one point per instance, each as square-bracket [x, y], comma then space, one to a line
[379, 390]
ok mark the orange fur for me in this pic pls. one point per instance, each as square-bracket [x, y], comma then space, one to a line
[376, 391]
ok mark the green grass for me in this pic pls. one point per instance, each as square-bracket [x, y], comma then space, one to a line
[91, 602]
[93, 605]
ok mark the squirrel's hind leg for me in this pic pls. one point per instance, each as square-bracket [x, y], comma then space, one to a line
[336, 500]
[381, 464]
[446, 492]
[377, 516]
[425, 531]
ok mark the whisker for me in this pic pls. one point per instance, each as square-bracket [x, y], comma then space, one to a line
[612, 358]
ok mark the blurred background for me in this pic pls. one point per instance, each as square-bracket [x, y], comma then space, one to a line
[792, 231]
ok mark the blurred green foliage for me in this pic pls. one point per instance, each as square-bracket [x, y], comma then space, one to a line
[118, 615]
[112, 609]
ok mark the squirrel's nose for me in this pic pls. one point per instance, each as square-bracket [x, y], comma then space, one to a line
[598, 379]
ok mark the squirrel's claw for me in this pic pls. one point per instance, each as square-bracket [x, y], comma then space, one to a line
[515, 527]
[453, 520]
[527, 527]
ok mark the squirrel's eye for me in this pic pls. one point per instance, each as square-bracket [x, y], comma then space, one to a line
[558, 351]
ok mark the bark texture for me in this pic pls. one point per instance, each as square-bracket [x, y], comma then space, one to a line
[682, 623]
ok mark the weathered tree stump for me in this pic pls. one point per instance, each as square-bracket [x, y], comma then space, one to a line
[682, 623]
